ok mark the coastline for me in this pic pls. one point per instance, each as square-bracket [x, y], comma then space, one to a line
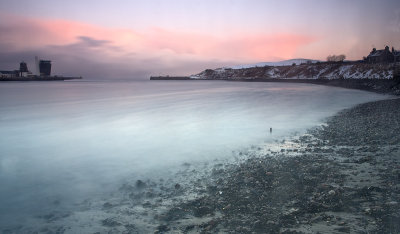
[383, 86]
[375, 77]
[341, 178]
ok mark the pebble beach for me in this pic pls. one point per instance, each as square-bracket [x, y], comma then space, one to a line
[340, 177]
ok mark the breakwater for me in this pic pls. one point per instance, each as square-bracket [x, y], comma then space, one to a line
[40, 78]
[170, 78]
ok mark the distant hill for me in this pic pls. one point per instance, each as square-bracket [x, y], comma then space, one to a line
[310, 70]
[289, 62]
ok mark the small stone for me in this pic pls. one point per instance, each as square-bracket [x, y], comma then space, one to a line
[292, 210]
[140, 184]
[162, 229]
[177, 186]
[202, 211]
[343, 229]
[227, 207]
[107, 205]
[147, 204]
[110, 222]
[392, 203]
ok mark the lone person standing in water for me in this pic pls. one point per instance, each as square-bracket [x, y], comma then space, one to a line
[270, 130]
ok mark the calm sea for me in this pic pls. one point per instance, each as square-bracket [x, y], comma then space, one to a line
[61, 142]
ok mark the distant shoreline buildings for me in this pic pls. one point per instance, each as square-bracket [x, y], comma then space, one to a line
[42, 73]
[383, 56]
[43, 69]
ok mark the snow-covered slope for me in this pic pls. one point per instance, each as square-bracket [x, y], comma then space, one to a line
[345, 70]
[280, 63]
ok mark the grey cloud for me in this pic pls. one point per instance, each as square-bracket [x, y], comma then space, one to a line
[88, 41]
[86, 58]
[85, 43]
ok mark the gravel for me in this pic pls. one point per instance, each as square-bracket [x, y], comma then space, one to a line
[344, 180]
[340, 178]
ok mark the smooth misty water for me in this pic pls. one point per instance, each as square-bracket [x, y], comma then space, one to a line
[61, 142]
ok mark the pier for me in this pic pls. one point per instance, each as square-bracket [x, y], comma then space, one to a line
[170, 78]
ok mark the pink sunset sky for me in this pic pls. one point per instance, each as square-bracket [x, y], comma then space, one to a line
[135, 39]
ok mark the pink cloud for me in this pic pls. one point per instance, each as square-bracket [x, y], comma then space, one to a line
[155, 49]
[247, 47]
[34, 33]
[156, 41]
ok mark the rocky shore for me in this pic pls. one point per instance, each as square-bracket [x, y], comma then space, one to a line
[342, 177]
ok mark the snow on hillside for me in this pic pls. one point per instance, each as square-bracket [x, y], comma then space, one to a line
[321, 70]
[281, 63]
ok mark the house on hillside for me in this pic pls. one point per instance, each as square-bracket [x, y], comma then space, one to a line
[383, 56]
[396, 54]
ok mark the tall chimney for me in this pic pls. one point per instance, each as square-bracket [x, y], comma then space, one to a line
[37, 66]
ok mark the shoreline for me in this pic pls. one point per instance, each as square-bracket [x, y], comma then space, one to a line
[383, 86]
[343, 177]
